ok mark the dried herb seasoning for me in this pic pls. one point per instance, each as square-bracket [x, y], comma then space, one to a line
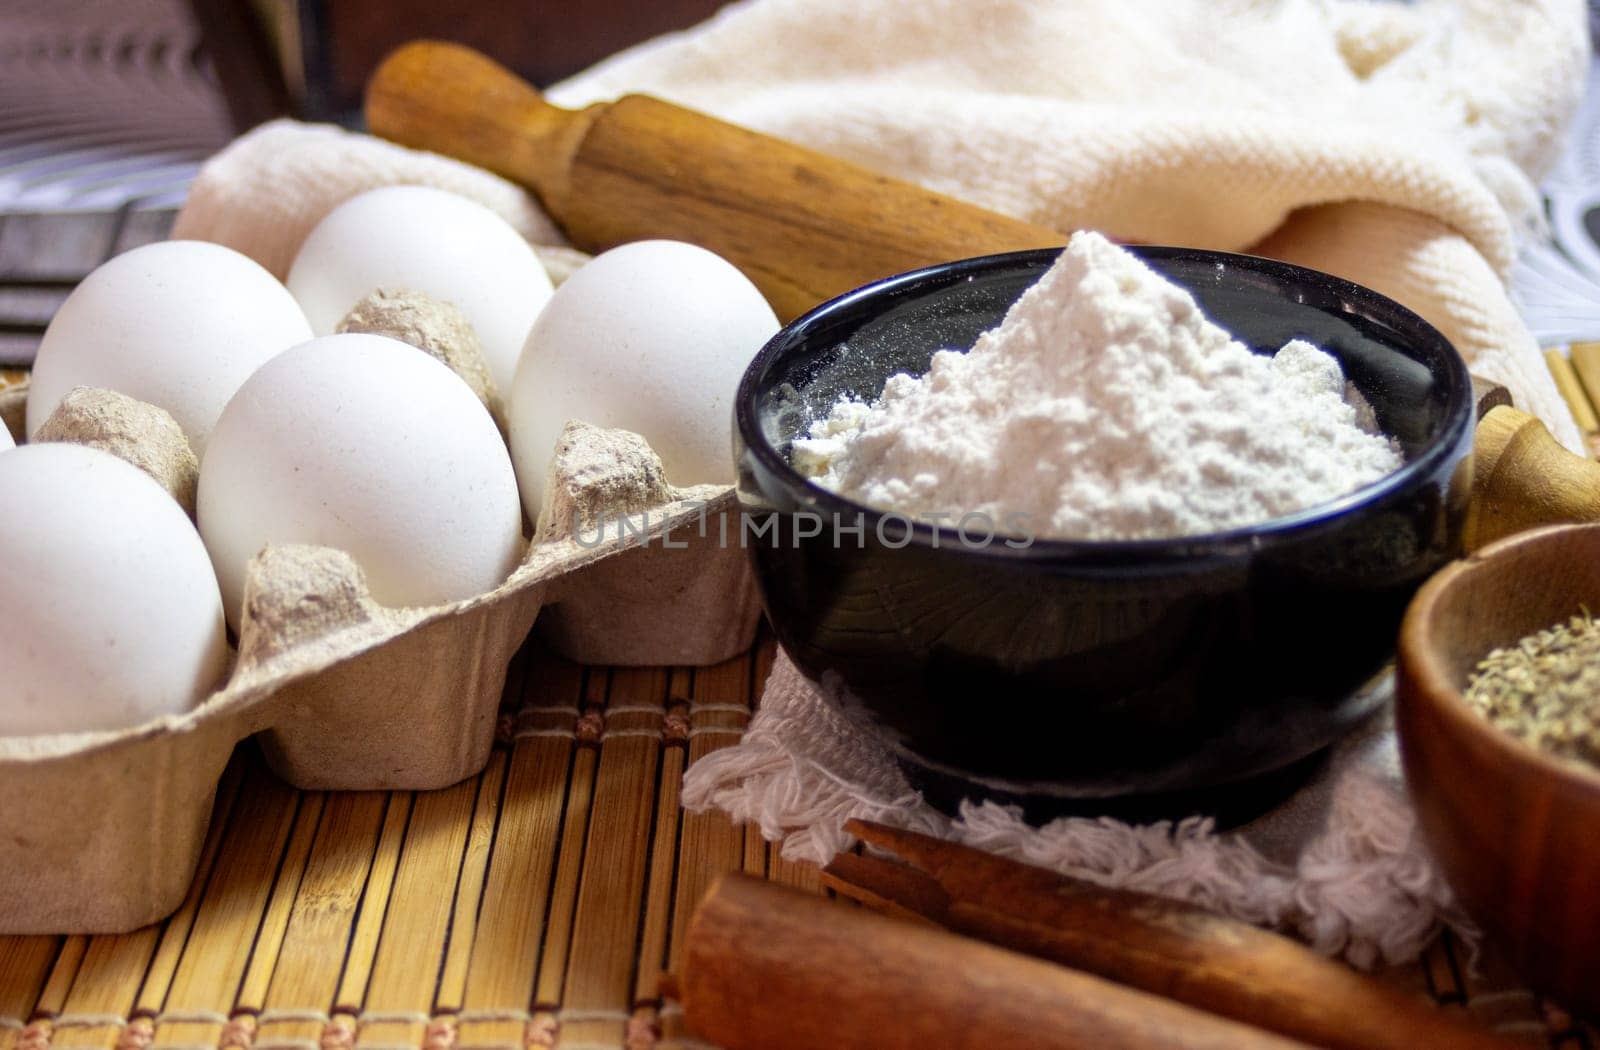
[1545, 689]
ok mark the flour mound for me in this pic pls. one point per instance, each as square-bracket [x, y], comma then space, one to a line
[1105, 406]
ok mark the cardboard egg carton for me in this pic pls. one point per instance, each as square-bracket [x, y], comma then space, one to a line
[102, 831]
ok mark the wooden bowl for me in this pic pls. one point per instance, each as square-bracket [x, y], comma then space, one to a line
[1516, 831]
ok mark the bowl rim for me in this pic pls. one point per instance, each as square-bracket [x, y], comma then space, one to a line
[1441, 447]
[1432, 685]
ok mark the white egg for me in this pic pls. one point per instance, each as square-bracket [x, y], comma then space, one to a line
[179, 324]
[431, 241]
[364, 444]
[650, 337]
[5, 438]
[109, 611]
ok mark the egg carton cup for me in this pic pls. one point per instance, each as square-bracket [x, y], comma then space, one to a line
[102, 831]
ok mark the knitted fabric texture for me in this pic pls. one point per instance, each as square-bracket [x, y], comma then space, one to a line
[269, 188]
[1396, 145]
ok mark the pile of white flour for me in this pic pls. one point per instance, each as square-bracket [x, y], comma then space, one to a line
[1105, 406]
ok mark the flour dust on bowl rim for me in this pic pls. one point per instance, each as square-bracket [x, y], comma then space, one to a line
[1055, 672]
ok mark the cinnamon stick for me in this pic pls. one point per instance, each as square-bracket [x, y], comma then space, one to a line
[770, 968]
[1218, 964]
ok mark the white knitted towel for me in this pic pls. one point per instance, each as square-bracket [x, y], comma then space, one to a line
[1393, 144]
[264, 193]
[1340, 863]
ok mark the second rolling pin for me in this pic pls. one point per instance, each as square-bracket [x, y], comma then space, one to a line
[1523, 478]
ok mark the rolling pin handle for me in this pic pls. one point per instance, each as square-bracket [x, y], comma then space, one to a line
[1523, 478]
[450, 99]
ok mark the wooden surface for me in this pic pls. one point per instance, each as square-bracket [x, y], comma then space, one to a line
[482, 915]
[545, 40]
[803, 226]
[1513, 828]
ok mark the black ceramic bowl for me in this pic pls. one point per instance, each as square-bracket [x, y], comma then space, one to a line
[1071, 670]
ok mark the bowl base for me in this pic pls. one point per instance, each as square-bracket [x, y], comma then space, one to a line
[1229, 805]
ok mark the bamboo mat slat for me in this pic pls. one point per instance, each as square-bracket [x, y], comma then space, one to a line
[569, 862]
[652, 954]
[1572, 391]
[25, 964]
[606, 926]
[500, 975]
[200, 1000]
[709, 843]
[104, 990]
[305, 980]
[469, 891]
[791, 873]
[275, 924]
[755, 853]
[1585, 359]
[397, 1007]
[374, 906]
[68, 961]
[1577, 376]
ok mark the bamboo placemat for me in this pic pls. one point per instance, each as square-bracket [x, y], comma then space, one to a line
[534, 905]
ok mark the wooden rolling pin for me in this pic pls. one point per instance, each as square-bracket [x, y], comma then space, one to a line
[1524, 478]
[770, 968]
[802, 225]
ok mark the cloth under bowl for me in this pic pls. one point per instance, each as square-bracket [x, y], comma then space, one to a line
[1340, 863]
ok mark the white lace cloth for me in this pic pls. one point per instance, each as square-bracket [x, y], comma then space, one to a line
[1340, 863]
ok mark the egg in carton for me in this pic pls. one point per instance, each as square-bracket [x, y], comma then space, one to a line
[102, 831]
